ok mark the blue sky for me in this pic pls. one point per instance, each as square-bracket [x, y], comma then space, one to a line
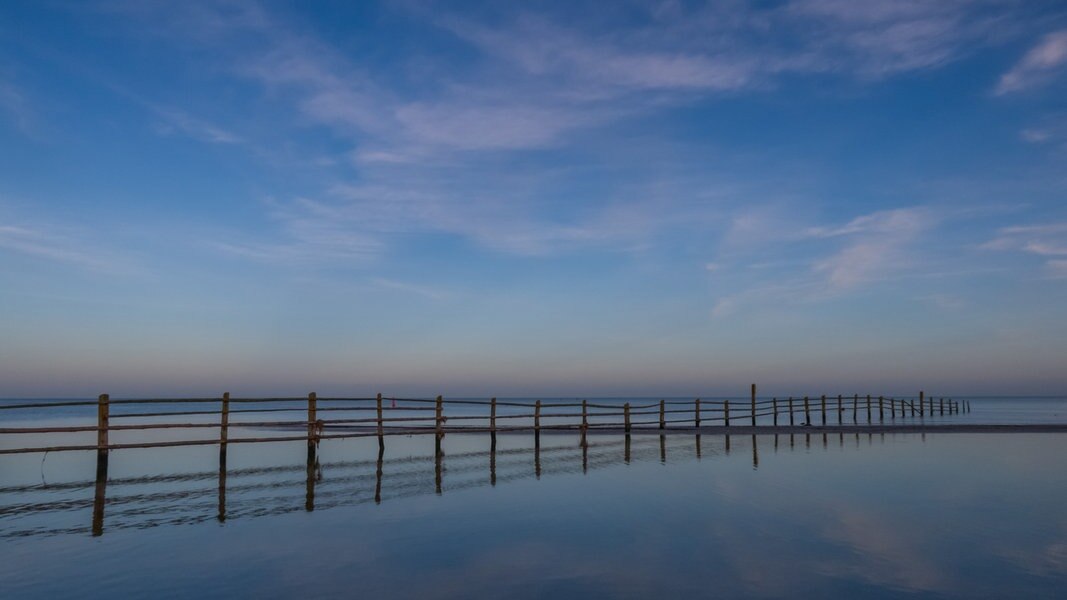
[558, 198]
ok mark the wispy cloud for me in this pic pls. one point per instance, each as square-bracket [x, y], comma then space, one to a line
[837, 259]
[175, 121]
[63, 245]
[877, 246]
[1038, 65]
[1048, 241]
[14, 105]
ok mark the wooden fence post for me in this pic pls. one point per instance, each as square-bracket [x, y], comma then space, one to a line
[381, 431]
[696, 412]
[807, 412]
[439, 418]
[312, 417]
[662, 424]
[922, 403]
[537, 416]
[224, 431]
[868, 409]
[492, 417]
[855, 407]
[585, 416]
[881, 409]
[824, 409]
[791, 411]
[774, 407]
[753, 405]
[840, 409]
[103, 418]
[726, 412]
[626, 417]
[942, 401]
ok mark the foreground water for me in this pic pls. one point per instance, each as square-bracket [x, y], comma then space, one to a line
[950, 515]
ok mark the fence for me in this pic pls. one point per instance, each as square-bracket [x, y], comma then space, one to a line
[428, 416]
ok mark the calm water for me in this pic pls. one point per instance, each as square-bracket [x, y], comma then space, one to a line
[950, 515]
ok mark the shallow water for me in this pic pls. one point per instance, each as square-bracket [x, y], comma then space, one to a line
[949, 515]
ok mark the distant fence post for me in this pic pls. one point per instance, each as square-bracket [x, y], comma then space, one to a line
[881, 409]
[753, 405]
[807, 412]
[439, 418]
[537, 416]
[224, 431]
[840, 409]
[774, 407]
[855, 407]
[492, 417]
[662, 417]
[726, 412]
[585, 415]
[791, 410]
[922, 403]
[381, 432]
[626, 417]
[824, 409]
[868, 409]
[696, 412]
[312, 417]
[103, 417]
[942, 401]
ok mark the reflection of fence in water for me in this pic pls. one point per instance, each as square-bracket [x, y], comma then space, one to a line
[275, 490]
[264, 491]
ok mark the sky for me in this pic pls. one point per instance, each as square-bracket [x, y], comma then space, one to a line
[537, 198]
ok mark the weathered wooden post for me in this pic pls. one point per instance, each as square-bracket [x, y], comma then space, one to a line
[942, 401]
[585, 426]
[922, 403]
[840, 409]
[312, 418]
[492, 418]
[696, 412]
[626, 420]
[753, 405]
[807, 412]
[881, 409]
[381, 429]
[537, 417]
[726, 413]
[855, 407]
[774, 407]
[103, 418]
[225, 424]
[791, 411]
[892, 408]
[662, 420]
[439, 419]
[824, 409]
[868, 409]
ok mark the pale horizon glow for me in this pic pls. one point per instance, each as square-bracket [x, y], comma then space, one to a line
[643, 198]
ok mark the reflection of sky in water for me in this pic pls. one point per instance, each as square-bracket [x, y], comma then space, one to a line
[958, 515]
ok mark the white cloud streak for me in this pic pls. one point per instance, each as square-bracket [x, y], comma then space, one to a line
[1038, 65]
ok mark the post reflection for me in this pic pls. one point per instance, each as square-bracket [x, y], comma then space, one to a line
[100, 495]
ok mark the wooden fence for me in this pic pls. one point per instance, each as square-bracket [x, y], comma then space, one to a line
[412, 416]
